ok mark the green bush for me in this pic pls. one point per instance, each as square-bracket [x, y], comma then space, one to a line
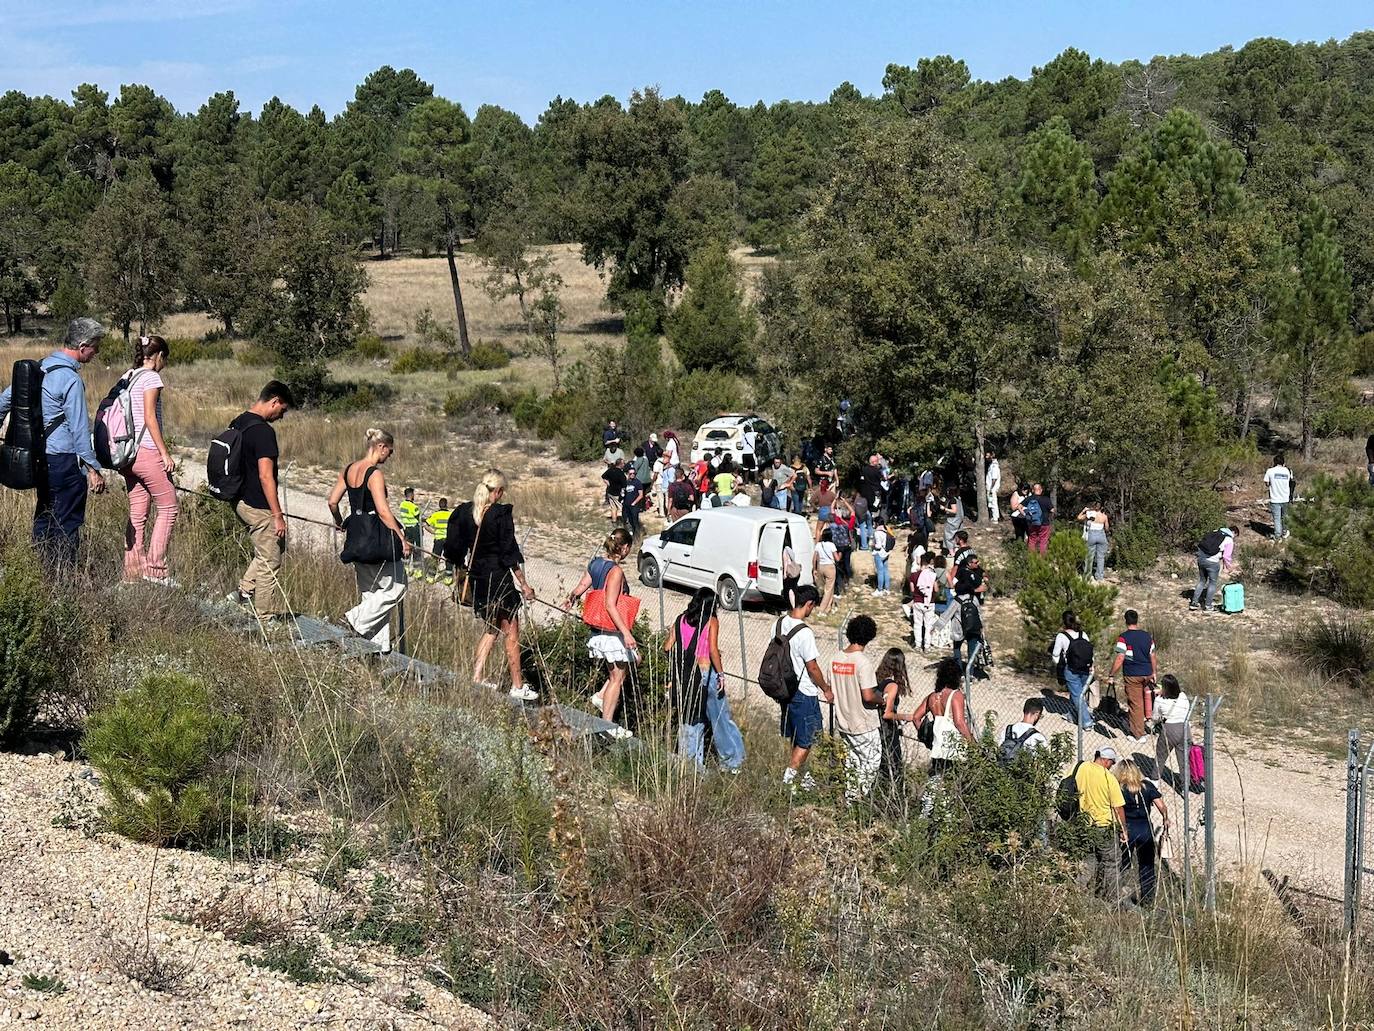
[34, 651]
[424, 359]
[182, 351]
[162, 750]
[370, 348]
[1332, 548]
[559, 413]
[1135, 545]
[1055, 582]
[697, 396]
[528, 411]
[1363, 352]
[344, 398]
[479, 397]
[488, 356]
[255, 356]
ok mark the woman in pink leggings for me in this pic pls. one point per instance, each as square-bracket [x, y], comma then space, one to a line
[149, 478]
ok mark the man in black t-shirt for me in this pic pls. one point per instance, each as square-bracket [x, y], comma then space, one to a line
[615, 484]
[969, 580]
[630, 497]
[258, 504]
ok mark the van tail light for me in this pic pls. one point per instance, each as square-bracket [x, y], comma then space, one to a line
[753, 570]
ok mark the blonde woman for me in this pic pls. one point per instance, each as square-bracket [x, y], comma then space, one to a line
[1141, 796]
[149, 478]
[381, 584]
[618, 647]
[481, 539]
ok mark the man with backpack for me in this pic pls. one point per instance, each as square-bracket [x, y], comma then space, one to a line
[1038, 514]
[252, 440]
[58, 415]
[1136, 660]
[1215, 553]
[1024, 736]
[1072, 655]
[790, 674]
[1103, 806]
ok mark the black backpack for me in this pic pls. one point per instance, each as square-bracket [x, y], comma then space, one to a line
[1011, 747]
[1079, 654]
[970, 618]
[23, 450]
[777, 676]
[1066, 796]
[1211, 544]
[224, 465]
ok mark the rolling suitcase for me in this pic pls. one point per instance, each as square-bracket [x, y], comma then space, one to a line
[1233, 598]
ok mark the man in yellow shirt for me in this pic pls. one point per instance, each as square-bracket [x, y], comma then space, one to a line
[408, 515]
[1102, 806]
[438, 526]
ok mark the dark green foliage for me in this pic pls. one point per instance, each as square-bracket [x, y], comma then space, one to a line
[31, 646]
[1338, 647]
[1135, 545]
[1054, 583]
[371, 348]
[424, 359]
[183, 350]
[488, 356]
[45, 983]
[713, 326]
[1332, 548]
[163, 751]
[298, 960]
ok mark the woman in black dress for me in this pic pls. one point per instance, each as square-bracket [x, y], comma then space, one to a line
[481, 539]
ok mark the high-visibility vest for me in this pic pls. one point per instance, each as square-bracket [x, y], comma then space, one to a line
[409, 514]
[438, 523]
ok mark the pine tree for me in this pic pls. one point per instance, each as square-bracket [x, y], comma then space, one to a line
[132, 253]
[713, 327]
[1055, 201]
[1054, 584]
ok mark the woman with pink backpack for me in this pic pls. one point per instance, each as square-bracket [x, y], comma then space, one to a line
[1171, 712]
[149, 476]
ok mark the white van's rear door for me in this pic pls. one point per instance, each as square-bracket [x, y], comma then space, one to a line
[770, 557]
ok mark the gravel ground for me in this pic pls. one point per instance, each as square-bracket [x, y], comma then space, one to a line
[82, 909]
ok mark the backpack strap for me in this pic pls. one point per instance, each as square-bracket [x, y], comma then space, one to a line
[1024, 737]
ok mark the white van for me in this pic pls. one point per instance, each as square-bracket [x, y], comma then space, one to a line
[737, 552]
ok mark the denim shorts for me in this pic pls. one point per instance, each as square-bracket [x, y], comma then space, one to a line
[801, 719]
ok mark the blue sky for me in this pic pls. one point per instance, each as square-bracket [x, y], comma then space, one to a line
[521, 53]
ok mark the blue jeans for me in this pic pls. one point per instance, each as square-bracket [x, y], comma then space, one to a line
[1077, 684]
[798, 500]
[1208, 576]
[779, 500]
[967, 647]
[801, 720]
[61, 507]
[1278, 509]
[881, 574]
[865, 529]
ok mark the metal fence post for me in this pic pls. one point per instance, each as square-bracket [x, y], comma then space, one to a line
[968, 686]
[743, 664]
[662, 573]
[1362, 811]
[1185, 780]
[1209, 897]
[1352, 805]
[401, 626]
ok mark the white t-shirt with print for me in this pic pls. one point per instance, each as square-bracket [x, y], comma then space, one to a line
[1280, 482]
[804, 650]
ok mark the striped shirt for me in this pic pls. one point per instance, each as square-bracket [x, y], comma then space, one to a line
[147, 380]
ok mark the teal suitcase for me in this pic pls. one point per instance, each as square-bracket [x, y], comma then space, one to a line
[1233, 598]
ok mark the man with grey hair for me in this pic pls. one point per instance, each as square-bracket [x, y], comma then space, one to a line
[71, 466]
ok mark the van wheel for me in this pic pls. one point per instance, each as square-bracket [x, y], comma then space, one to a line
[650, 575]
[728, 594]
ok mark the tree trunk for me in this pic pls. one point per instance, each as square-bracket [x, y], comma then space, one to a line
[463, 342]
[1054, 485]
[1307, 390]
[228, 321]
[980, 467]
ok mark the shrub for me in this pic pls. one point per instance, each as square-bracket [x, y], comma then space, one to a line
[697, 396]
[162, 750]
[1338, 647]
[528, 411]
[370, 348]
[1135, 545]
[480, 397]
[182, 351]
[1332, 548]
[488, 356]
[34, 654]
[255, 356]
[713, 327]
[1055, 582]
[344, 398]
[424, 359]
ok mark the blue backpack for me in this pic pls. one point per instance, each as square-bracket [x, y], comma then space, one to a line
[1035, 512]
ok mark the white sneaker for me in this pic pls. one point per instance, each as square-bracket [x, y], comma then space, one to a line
[162, 581]
[619, 733]
[596, 700]
[877, 594]
[523, 693]
[487, 684]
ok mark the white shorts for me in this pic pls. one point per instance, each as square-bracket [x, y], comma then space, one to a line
[608, 646]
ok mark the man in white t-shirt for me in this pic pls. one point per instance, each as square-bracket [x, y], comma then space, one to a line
[801, 716]
[1026, 733]
[992, 480]
[1280, 481]
[854, 678]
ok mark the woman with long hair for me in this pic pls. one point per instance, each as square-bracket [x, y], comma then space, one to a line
[698, 686]
[149, 479]
[617, 648]
[1140, 796]
[1171, 711]
[893, 685]
[948, 726]
[381, 584]
[481, 539]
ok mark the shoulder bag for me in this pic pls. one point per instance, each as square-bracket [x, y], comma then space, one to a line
[366, 538]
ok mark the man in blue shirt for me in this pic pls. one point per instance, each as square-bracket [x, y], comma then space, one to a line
[72, 468]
